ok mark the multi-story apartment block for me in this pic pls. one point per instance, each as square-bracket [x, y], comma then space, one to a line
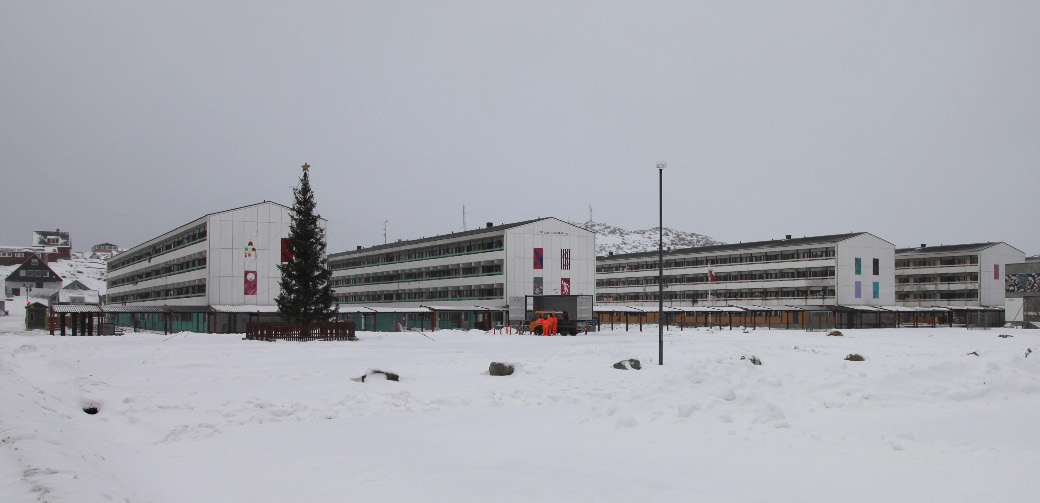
[834, 270]
[205, 272]
[482, 274]
[964, 275]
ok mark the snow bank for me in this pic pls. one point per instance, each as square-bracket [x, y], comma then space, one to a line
[201, 417]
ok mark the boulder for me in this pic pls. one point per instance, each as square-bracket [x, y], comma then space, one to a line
[754, 359]
[389, 376]
[855, 358]
[500, 369]
[834, 333]
[631, 363]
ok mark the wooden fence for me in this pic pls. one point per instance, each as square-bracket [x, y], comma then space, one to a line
[336, 331]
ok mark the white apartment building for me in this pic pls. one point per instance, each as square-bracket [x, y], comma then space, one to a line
[490, 269]
[963, 275]
[853, 269]
[206, 272]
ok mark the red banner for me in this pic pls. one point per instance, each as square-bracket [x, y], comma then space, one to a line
[286, 250]
[250, 286]
[565, 286]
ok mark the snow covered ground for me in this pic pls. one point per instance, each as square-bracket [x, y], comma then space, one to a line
[214, 418]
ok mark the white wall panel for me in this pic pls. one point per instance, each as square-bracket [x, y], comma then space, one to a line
[866, 247]
[991, 287]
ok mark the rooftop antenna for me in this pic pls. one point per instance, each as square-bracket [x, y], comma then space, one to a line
[384, 230]
[463, 217]
[590, 212]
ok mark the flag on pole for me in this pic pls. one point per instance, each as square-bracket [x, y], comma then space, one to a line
[712, 276]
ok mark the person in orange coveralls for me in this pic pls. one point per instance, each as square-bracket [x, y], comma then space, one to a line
[552, 323]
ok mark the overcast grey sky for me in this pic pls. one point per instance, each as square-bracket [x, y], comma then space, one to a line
[916, 121]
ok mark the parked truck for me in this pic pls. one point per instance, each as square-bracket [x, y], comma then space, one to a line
[572, 312]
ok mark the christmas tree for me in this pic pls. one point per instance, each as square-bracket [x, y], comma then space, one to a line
[306, 293]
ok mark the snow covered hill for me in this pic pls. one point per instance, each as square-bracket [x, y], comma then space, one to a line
[618, 240]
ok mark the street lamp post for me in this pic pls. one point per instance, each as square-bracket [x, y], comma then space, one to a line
[660, 263]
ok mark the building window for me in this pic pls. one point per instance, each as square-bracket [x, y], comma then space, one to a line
[877, 268]
[859, 288]
[877, 290]
[859, 266]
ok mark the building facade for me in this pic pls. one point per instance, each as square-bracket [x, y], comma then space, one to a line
[104, 251]
[207, 270]
[33, 279]
[14, 255]
[964, 275]
[57, 239]
[491, 268]
[1022, 294]
[834, 270]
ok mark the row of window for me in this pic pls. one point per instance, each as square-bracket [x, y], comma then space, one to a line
[186, 238]
[749, 295]
[185, 264]
[936, 261]
[401, 276]
[194, 288]
[765, 275]
[423, 253]
[716, 260]
[35, 273]
[940, 278]
[422, 296]
[12, 254]
[954, 295]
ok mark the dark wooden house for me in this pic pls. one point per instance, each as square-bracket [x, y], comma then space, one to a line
[34, 278]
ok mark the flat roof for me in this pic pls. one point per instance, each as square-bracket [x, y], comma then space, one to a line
[77, 308]
[754, 245]
[927, 250]
[452, 235]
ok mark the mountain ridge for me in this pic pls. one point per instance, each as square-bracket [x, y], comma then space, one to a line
[616, 240]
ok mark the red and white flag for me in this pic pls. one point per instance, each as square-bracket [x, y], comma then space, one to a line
[712, 276]
[250, 286]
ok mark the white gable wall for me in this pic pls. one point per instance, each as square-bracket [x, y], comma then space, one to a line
[552, 236]
[866, 247]
[991, 272]
[230, 232]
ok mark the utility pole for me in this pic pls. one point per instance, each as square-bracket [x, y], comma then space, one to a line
[660, 263]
